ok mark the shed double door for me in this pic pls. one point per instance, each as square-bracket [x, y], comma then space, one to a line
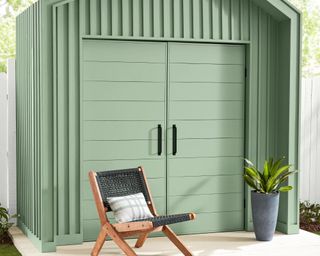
[178, 110]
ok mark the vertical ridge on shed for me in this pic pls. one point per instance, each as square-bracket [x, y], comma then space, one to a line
[66, 122]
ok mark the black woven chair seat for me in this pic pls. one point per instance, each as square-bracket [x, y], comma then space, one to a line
[167, 219]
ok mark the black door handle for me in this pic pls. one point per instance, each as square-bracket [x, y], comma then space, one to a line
[159, 139]
[174, 139]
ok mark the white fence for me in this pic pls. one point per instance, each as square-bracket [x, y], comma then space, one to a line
[8, 139]
[310, 140]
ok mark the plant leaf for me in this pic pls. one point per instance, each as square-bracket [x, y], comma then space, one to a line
[284, 177]
[266, 171]
[276, 166]
[253, 173]
[276, 175]
[248, 162]
[285, 188]
[250, 182]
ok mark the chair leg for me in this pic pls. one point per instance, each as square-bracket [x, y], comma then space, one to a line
[142, 238]
[175, 240]
[99, 242]
[120, 242]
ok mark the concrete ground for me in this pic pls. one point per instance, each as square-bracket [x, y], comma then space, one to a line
[217, 244]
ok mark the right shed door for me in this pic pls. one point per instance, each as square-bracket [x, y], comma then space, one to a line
[206, 95]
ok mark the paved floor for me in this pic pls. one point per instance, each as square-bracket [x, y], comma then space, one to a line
[217, 244]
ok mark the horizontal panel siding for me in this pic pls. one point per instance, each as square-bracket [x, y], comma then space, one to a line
[209, 110]
[205, 166]
[97, 50]
[207, 91]
[209, 147]
[197, 19]
[228, 221]
[197, 203]
[120, 130]
[104, 150]
[121, 91]
[206, 73]
[124, 91]
[103, 71]
[212, 129]
[157, 187]
[204, 185]
[207, 53]
[102, 110]
[154, 168]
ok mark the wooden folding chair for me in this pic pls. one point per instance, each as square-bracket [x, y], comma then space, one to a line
[121, 183]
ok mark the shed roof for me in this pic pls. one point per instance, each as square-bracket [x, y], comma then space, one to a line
[279, 9]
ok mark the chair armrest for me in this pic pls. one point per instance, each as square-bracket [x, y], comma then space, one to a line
[133, 226]
[192, 216]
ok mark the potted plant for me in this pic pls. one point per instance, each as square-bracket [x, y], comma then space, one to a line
[265, 197]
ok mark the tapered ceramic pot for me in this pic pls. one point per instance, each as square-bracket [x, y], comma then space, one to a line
[264, 213]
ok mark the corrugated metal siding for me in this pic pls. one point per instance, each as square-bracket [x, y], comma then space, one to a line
[28, 120]
[262, 90]
[197, 19]
[66, 119]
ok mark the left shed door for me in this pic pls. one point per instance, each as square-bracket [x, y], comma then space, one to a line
[123, 102]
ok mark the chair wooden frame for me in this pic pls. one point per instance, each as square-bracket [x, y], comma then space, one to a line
[117, 232]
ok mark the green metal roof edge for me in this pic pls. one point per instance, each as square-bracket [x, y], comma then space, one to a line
[278, 9]
[292, 6]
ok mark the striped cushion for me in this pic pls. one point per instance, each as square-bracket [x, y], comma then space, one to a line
[129, 208]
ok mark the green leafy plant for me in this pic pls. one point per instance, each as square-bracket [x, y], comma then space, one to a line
[310, 212]
[269, 180]
[4, 224]
[310, 216]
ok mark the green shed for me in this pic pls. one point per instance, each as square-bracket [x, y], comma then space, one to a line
[186, 88]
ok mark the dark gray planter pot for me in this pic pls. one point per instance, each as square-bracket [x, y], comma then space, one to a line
[264, 213]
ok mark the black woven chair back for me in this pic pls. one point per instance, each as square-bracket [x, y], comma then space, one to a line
[121, 183]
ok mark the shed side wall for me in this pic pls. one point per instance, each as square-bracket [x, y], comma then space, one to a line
[30, 189]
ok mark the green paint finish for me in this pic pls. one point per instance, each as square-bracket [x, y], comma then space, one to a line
[206, 166]
[119, 130]
[148, 91]
[66, 129]
[194, 110]
[218, 203]
[226, 221]
[59, 107]
[104, 150]
[104, 71]
[205, 91]
[206, 73]
[154, 168]
[204, 185]
[207, 147]
[94, 50]
[211, 128]
[206, 54]
[140, 110]
[124, 129]
[157, 187]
